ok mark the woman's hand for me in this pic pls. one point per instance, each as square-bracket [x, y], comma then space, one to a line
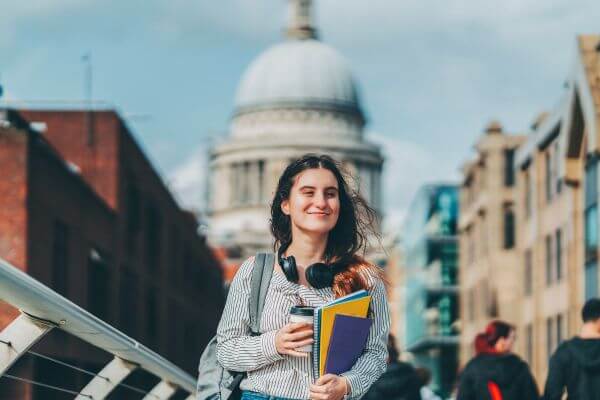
[329, 387]
[293, 336]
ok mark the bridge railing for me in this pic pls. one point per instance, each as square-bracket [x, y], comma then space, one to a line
[42, 310]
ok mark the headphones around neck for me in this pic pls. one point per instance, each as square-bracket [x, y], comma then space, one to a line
[319, 275]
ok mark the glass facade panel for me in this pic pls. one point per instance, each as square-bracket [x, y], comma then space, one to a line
[591, 229]
[591, 280]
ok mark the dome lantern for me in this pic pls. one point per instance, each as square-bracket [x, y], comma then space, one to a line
[300, 20]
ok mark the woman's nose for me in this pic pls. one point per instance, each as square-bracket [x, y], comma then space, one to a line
[320, 200]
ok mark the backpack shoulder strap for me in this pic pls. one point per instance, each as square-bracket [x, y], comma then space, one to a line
[262, 272]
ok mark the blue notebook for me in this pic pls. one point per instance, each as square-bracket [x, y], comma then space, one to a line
[348, 341]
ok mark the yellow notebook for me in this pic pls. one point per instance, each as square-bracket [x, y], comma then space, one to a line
[356, 308]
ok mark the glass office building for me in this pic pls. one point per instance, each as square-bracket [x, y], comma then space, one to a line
[430, 248]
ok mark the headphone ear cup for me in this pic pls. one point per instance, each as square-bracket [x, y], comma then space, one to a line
[320, 275]
[288, 265]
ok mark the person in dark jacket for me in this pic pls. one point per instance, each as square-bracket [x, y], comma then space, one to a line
[399, 382]
[495, 372]
[575, 365]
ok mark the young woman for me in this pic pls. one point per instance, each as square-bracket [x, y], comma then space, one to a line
[495, 372]
[315, 218]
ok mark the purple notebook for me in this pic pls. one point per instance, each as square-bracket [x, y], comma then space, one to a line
[348, 340]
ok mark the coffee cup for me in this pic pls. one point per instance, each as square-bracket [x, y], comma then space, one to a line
[303, 314]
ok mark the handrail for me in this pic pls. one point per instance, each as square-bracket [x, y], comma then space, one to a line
[37, 300]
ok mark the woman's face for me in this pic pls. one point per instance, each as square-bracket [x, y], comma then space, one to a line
[505, 345]
[314, 202]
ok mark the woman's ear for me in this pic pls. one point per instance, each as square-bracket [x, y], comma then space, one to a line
[285, 207]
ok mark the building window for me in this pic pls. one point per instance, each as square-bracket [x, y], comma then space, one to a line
[261, 181]
[509, 227]
[558, 248]
[549, 179]
[559, 329]
[509, 174]
[591, 229]
[549, 260]
[529, 344]
[60, 258]
[483, 242]
[235, 184]
[549, 336]
[528, 192]
[99, 278]
[528, 273]
[245, 183]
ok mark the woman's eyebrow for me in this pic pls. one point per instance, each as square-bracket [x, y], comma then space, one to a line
[307, 187]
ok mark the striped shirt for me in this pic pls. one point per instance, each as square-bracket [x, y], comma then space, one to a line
[273, 374]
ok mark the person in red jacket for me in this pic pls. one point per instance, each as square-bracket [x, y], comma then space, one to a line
[495, 372]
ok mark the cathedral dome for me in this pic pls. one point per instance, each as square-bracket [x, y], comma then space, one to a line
[301, 74]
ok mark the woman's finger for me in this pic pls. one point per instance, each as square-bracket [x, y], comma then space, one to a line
[296, 353]
[319, 388]
[325, 378]
[319, 396]
[300, 335]
[292, 326]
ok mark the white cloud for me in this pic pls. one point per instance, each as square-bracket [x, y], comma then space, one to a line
[407, 167]
[188, 180]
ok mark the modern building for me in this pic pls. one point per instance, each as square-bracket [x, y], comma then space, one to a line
[430, 250]
[554, 264]
[297, 97]
[489, 266]
[84, 212]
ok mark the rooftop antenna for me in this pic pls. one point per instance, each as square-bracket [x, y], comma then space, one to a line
[89, 116]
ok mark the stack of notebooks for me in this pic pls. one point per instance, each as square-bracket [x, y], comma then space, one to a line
[341, 329]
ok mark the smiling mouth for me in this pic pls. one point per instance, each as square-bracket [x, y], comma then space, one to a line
[318, 213]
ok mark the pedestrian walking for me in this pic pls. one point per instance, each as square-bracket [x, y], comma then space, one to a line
[575, 365]
[320, 227]
[399, 382]
[495, 372]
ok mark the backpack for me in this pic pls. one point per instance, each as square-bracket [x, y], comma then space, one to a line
[215, 382]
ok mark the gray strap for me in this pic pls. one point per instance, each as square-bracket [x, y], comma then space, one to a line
[267, 273]
[262, 272]
[255, 284]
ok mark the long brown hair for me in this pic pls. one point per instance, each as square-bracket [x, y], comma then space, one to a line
[347, 241]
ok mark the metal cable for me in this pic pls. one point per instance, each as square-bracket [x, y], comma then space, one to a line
[9, 344]
[74, 367]
[64, 364]
[44, 385]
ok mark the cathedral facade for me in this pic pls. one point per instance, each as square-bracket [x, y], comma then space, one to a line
[297, 97]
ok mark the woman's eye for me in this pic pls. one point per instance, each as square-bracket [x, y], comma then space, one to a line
[309, 193]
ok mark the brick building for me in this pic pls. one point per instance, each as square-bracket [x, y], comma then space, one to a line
[83, 211]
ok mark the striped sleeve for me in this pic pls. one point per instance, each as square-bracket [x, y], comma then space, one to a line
[372, 363]
[237, 350]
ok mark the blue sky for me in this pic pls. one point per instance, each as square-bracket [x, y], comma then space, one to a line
[431, 73]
